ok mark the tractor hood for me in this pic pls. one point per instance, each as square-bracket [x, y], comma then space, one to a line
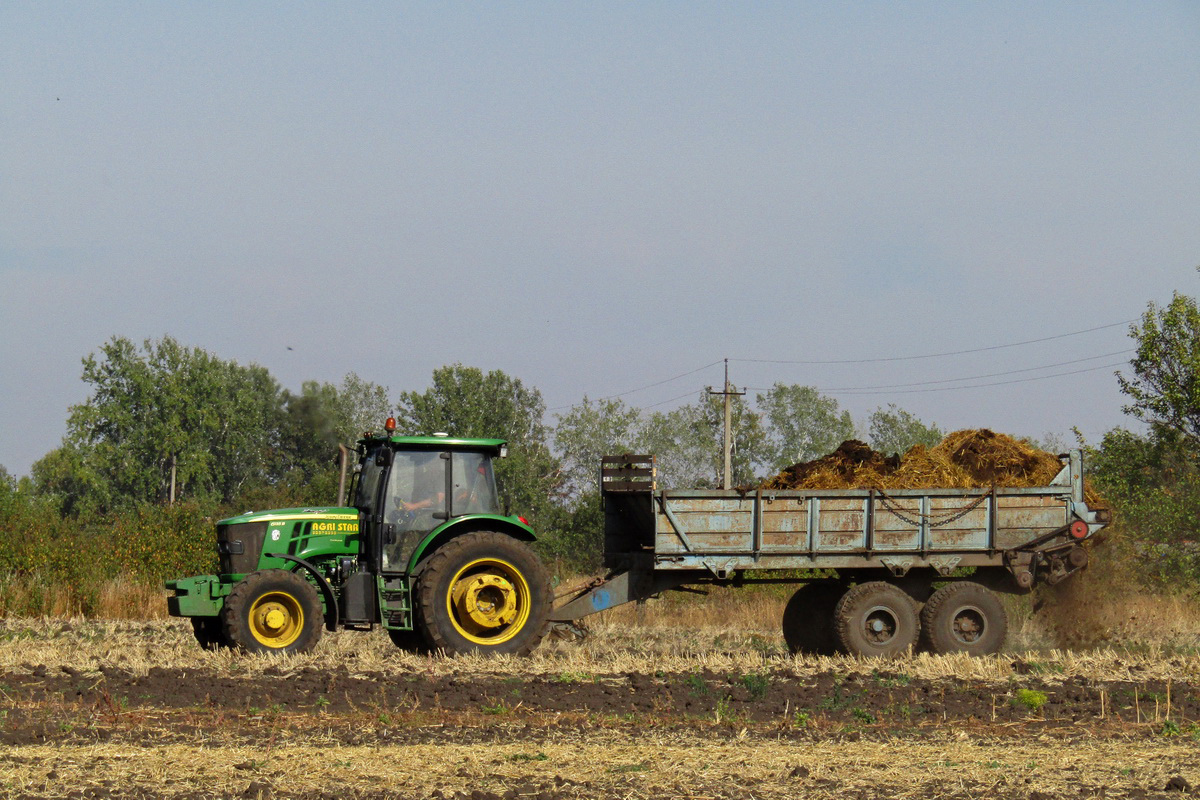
[293, 514]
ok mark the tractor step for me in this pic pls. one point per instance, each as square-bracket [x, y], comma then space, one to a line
[395, 604]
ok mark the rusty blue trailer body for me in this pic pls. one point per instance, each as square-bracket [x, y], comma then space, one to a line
[657, 539]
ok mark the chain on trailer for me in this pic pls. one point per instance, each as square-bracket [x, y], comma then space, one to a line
[927, 519]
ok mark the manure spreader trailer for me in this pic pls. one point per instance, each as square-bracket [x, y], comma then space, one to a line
[879, 572]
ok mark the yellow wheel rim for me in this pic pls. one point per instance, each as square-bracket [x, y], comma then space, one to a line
[276, 619]
[488, 601]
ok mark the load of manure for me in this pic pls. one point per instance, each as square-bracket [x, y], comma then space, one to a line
[963, 460]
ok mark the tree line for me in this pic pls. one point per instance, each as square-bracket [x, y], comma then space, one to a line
[166, 421]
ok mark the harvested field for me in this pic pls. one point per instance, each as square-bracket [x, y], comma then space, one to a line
[135, 710]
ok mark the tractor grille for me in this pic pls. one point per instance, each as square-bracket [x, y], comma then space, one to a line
[240, 546]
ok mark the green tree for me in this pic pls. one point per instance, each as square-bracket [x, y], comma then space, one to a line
[310, 434]
[589, 431]
[465, 401]
[318, 419]
[680, 446]
[689, 442]
[894, 430]
[65, 477]
[362, 407]
[1165, 385]
[801, 424]
[1153, 483]
[216, 422]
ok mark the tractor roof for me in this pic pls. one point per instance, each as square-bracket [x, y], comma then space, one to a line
[441, 441]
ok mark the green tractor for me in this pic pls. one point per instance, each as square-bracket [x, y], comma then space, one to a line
[422, 549]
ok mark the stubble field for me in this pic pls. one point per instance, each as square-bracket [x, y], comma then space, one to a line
[135, 710]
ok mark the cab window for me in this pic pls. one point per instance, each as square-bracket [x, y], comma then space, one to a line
[474, 484]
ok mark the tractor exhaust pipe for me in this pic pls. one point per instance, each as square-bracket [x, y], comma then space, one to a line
[343, 460]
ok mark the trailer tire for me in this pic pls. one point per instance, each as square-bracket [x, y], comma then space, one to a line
[484, 592]
[808, 619]
[964, 618]
[273, 611]
[876, 619]
[210, 633]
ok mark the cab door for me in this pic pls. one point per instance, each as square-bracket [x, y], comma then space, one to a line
[414, 504]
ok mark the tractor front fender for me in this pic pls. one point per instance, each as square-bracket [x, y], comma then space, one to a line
[331, 603]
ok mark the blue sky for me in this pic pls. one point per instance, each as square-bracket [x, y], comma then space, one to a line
[595, 197]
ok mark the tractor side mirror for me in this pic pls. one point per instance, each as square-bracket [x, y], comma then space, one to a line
[383, 458]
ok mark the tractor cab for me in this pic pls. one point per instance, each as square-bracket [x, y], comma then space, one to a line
[422, 549]
[406, 487]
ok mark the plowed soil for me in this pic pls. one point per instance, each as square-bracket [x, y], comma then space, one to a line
[139, 712]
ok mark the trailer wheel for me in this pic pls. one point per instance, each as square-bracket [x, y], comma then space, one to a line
[484, 592]
[210, 633]
[808, 619]
[273, 611]
[876, 619]
[964, 618]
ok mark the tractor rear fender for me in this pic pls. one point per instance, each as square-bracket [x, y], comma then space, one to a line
[512, 526]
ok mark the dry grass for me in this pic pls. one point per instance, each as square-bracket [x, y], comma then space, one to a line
[613, 647]
[632, 763]
[223, 753]
[116, 598]
[729, 629]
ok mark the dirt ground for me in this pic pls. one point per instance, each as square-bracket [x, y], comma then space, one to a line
[135, 710]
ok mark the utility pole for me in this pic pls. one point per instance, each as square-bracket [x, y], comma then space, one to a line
[728, 392]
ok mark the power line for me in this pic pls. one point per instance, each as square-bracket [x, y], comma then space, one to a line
[970, 377]
[869, 390]
[978, 385]
[673, 399]
[900, 388]
[651, 386]
[931, 355]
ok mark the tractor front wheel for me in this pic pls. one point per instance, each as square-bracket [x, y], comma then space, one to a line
[209, 633]
[484, 592]
[273, 611]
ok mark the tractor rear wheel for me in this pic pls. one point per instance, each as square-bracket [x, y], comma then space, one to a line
[964, 618]
[876, 619]
[808, 619]
[273, 611]
[210, 633]
[483, 592]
